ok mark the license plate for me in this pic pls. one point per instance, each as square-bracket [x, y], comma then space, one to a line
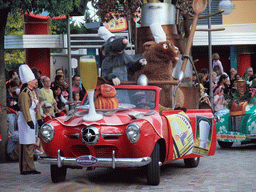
[86, 160]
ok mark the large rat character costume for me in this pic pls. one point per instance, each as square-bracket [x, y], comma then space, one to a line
[162, 57]
[117, 65]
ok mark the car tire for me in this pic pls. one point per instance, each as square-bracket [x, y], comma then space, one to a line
[225, 145]
[192, 162]
[153, 168]
[58, 174]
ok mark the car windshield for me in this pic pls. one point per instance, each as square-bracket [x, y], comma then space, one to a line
[134, 98]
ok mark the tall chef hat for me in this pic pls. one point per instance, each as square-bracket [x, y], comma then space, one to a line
[26, 74]
[104, 33]
[158, 32]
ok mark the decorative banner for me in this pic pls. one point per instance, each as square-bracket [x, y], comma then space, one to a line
[182, 134]
[117, 22]
[203, 135]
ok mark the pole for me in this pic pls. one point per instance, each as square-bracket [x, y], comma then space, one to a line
[210, 53]
[69, 59]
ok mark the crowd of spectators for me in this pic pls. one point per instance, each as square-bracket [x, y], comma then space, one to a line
[222, 83]
[53, 99]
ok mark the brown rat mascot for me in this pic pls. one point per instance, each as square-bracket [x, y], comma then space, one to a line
[162, 57]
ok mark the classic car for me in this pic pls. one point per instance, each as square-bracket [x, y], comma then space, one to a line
[238, 126]
[134, 135]
[237, 123]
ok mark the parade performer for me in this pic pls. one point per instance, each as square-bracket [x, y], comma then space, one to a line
[117, 65]
[29, 116]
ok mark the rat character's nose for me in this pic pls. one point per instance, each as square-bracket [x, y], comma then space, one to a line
[125, 41]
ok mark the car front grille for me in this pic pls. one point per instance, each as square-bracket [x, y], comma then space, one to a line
[80, 150]
[236, 122]
[104, 151]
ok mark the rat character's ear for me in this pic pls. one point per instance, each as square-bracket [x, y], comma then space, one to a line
[147, 45]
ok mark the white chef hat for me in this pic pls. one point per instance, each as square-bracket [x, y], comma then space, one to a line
[158, 32]
[26, 74]
[104, 33]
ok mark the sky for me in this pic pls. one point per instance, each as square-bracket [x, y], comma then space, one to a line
[80, 19]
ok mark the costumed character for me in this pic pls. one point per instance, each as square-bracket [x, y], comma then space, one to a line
[29, 116]
[117, 65]
[162, 57]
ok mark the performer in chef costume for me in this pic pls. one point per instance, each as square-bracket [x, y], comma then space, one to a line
[29, 116]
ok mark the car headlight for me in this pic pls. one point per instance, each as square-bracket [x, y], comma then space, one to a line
[133, 132]
[47, 132]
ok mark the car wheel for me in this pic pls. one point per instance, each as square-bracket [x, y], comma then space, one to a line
[225, 145]
[153, 174]
[192, 162]
[58, 174]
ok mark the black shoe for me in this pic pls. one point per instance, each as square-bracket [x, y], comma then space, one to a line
[25, 172]
[34, 172]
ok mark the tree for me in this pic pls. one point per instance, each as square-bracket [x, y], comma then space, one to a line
[55, 8]
[14, 26]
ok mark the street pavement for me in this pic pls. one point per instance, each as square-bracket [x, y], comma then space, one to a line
[229, 170]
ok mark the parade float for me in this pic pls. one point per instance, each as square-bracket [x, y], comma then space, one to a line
[237, 123]
[129, 128]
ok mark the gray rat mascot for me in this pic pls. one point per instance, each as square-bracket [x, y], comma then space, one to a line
[117, 65]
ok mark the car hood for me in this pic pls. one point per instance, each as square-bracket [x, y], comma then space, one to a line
[118, 118]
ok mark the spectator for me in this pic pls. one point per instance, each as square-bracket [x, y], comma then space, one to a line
[219, 100]
[202, 80]
[60, 72]
[48, 115]
[216, 62]
[223, 82]
[214, 84]
[76, 83]
[66, 96]
[37, 74]
[13, 146]
[253, 80]
[247, 75]
[238, 76]
[59, 80]
[76, 96]
[206, 73]
[217, 70]
[57, 93]
[12, 104]
[47, 94]
[194, 80]
[233, 72]
[13, 74]
[29, 115]
[63, 109]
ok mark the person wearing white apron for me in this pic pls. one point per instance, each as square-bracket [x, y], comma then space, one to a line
[29, 115]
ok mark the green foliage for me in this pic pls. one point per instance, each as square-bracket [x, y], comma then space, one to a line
[59, 26]
[14, 25]
[248, 96]
[55, 7]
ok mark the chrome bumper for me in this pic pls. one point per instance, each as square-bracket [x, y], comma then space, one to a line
[252, 136]
[101, 162]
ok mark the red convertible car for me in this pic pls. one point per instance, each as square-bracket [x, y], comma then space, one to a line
[135, 135]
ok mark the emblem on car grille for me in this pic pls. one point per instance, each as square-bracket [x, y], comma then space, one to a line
[90, 135]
